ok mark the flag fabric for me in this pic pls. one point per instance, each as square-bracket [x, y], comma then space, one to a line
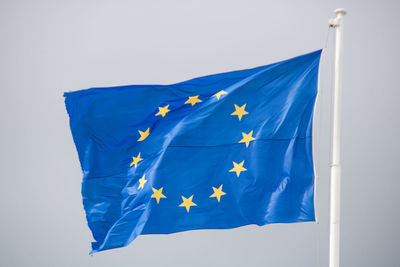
[215, 152]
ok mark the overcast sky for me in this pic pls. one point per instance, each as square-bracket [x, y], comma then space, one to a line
[49, 47]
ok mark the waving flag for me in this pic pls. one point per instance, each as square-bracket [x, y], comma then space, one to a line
[215, 152]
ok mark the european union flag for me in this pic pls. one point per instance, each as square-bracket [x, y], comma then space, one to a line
[215, 152]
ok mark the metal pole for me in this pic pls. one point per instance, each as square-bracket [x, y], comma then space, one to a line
[334, 231]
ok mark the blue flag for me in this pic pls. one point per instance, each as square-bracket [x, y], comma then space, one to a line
[215, 152]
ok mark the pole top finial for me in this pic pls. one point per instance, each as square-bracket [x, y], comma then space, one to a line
[341, 11]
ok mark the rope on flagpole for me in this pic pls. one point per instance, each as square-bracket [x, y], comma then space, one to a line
[320, 114]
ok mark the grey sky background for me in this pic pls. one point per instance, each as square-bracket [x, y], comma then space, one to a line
[49, 47]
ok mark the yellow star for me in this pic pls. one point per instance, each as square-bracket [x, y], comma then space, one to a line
[187, 203]
[136, 160]
[239, 111]
[163, 111]
[157, 194]
[218, 192]
[144, 135]
[142, 181]
[247, 138]
[193, 100]
[220, 93]
[238, 168]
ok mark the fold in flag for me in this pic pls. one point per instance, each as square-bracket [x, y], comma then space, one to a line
[215, 152]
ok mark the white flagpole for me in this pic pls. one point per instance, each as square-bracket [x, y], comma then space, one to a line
[334, 231]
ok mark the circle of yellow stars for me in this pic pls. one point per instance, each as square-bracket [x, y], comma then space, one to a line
[238, 168]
